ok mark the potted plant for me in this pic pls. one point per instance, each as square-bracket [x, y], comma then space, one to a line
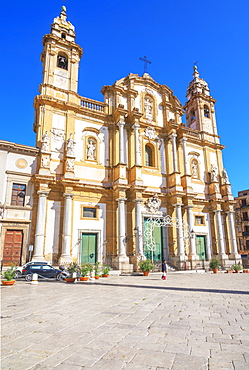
[146, 266]
[246, 271]
[97, 270]
[105, 270]
[236, 267]
[72, 270]
[229, 271]
[84, 271]
[9, 275]
[214, 265]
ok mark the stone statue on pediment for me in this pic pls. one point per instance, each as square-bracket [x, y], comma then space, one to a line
[214, 173]
[225, 176]
[70, 146]
[45, 142]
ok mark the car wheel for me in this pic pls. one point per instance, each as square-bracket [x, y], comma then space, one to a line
[28, 277]
[59, 277]
[18, 274]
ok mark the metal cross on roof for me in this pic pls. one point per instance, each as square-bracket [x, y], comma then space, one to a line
[146, 61]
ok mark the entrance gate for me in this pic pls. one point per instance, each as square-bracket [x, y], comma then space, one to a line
[166, 221]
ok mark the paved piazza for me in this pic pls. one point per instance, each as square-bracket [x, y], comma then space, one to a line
[190, 321]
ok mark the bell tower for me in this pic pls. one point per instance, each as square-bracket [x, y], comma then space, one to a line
[200, 112]
[60, 59]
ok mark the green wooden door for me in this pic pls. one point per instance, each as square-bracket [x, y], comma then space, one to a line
[89, 248]
[200, 247]
[156, 254]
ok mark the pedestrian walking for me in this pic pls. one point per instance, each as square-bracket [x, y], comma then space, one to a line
[164, 270]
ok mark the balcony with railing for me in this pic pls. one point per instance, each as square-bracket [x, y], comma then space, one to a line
[93, 105]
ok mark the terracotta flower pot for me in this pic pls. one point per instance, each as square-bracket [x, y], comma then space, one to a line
[83, 278]
[215, 271]
[97, 277]
[245, 271]
[146, 273]
[8, 282]
[229, 271]
[237, 271]
[70, 280]
[104, 275]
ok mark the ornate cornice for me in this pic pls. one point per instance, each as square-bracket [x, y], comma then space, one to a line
[18, 148]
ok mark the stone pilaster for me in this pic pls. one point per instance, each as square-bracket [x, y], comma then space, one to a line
[174, 152]
[121, 142]
[137, 152]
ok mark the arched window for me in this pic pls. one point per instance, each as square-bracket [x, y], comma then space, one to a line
[192, 115]
[149, 160]
[206, 111]
[194, 168]
[62, 61]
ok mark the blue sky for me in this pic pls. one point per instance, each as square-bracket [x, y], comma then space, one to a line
[114, 34]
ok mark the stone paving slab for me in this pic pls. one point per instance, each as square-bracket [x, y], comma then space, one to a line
[189, 321]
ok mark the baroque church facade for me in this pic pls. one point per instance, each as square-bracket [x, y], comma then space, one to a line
[124, 179]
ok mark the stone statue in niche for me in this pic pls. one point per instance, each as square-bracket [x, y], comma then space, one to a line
[194, 169]
[45, 142]
[70, 146]
[148, 107]
[225, 176]
[153, 204]
[91, 150]
[214, 173]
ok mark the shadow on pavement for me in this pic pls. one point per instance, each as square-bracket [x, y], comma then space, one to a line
[205, 290]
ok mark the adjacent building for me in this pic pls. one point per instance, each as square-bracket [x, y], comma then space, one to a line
[17, 166]
[242, 221]
[125, 179]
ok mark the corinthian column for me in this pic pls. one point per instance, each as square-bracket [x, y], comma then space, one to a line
[121, 227]
[175, 162]
[180, 239]
[191, 228]
[139, 241]
[121, 142]
[40, 226]
[137, 153]
[233, 235]
[221, 243]
[66, 237]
